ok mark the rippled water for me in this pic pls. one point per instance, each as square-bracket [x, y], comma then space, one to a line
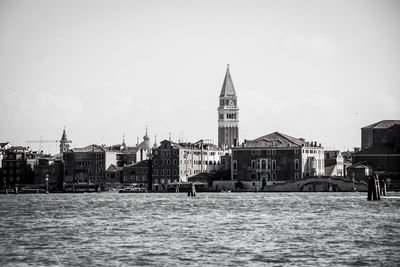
[324, 229]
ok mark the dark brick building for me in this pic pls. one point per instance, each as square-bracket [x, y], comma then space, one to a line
[380, 143]
[54, 168]
[139, 173]
[17, 166]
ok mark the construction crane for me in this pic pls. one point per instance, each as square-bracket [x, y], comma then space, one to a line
[41, 141]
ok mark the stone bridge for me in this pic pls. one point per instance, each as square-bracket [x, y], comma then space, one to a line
[319, 184]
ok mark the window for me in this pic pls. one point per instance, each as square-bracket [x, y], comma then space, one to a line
[155, 172]
[175, 162]
[252, 152]
[274, 176]
[258, 152]
[268, 151]
[263, 164]
[253, 164]
[155, 152]
[296, 175]
[175, 172]
[234, 165]
[296, 151]
[156, 162]
[273, 165]
[162, 172]
[168, 161]
[273, 152]
[296, 165]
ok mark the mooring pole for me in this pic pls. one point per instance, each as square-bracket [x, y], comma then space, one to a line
[46, 179]
[374, 188]
[382, 184]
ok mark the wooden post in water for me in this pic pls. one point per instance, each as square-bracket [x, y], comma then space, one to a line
[382, 184]
[374, 188]
[192, 190]
[46, 179]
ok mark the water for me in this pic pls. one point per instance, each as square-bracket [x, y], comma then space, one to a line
[245, 229]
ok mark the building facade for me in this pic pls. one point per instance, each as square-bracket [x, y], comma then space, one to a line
[334, 163]
[3, 148]
[276, 158]
[176, 162]
[139, 174]
[380, 143]
[88, 164]
[17, 166]
[53, 169]
[228, 114]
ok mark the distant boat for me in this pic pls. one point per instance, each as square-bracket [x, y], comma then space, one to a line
[132, 189]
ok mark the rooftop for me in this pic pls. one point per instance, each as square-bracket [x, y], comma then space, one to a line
[383, 124]
[276, 139]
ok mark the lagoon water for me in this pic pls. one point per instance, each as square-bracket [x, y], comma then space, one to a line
[211, 229]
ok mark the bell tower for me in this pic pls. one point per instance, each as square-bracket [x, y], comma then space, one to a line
[64, 142]
[228, 114]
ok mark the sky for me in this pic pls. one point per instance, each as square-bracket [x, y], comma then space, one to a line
[320, 70]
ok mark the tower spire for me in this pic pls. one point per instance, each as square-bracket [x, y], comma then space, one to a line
[227, 87]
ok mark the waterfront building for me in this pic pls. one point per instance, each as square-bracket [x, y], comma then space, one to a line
[334, 163]
[130, 155]
[113, 176]
[380, 148]
[17, 166]
[139, 173]
[360, 171]
[51, 168]
[176, 162]
[3, 148]
[276, 158]
[88, 164]
[228, 114]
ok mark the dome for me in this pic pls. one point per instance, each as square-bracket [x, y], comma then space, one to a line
[145, 145]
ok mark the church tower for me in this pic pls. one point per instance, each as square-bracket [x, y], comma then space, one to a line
[64, 142]
[228, 114]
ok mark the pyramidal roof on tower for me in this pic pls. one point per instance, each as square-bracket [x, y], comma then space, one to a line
[227, 88]
[64, 135]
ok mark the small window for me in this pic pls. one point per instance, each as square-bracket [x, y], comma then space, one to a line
[296, 164]
[268, 151]
[273, 152]
[234, 165]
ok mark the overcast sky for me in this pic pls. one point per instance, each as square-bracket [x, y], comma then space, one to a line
[314, 69]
